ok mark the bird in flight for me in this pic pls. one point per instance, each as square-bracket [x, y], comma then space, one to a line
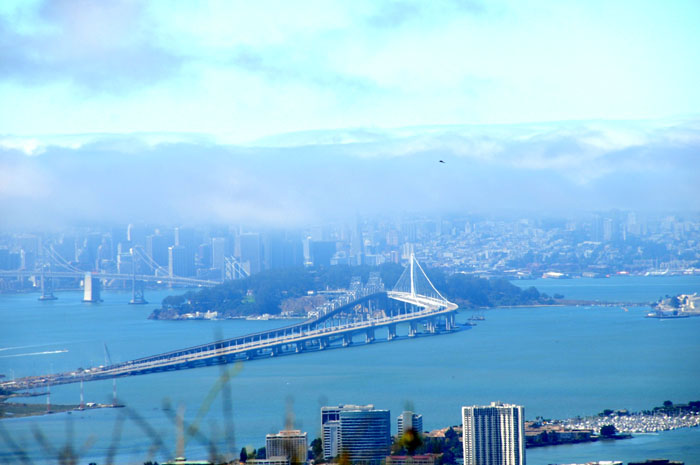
[441, 161]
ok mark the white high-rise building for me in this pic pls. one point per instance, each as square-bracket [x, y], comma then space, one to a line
[493, 434]
[409, 420]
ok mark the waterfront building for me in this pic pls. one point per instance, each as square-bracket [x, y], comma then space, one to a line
[409, 421]
[184, 461]
[427, 459]
[657, 462]
[279, 460]
[493, 434]
[360, 433]
[292, 444]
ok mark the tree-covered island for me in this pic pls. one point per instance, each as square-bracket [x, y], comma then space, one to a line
[292, 291]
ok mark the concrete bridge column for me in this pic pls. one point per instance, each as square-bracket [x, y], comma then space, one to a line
[412, 329]
[449, 322]
[370, 335]
[432, 326]
[347, 339]
[275, 350]
[91, 288]
[322, 343]
[392, 332]
[300, 347]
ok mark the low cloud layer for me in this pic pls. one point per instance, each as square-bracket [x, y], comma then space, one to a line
[296, 179]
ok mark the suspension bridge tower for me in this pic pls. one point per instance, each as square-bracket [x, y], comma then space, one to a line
[46, 283]
[137, 297]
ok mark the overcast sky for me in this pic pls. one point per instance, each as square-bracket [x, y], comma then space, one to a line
[587, 94]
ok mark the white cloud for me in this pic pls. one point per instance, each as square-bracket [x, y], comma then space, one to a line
[170, 178]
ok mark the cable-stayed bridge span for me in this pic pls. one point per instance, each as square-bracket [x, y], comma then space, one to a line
[353, 318]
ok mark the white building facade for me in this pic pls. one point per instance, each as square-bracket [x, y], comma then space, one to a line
[292, 444]
[493, 434]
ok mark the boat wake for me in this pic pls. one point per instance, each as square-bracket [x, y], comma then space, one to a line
[36, 353]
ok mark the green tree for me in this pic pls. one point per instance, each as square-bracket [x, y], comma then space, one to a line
[244, 455]
[317, 450]
[411, 440]
[608, 431]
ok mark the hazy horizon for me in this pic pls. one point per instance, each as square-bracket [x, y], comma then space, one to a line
[301, 178]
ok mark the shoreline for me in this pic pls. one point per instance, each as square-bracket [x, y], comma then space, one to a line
[9, 410]
[572, 303]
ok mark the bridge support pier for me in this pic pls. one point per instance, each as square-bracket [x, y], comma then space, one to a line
[449, 322]
[137, 297]
[322, 343]
[391, 332]
[347, 340]
[46, 288]
[300, 347]
[412, 329]
[91, 288]
[274, 351]
[370, 336]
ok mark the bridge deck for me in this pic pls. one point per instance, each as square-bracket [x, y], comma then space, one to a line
[296, 336]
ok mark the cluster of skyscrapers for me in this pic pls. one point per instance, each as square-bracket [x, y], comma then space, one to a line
[360, 434]
[596, 245]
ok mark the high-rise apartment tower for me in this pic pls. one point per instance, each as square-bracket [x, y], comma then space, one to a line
[493, 434]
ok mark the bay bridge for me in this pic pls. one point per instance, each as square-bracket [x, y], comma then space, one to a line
[51, 266]
[355, 317]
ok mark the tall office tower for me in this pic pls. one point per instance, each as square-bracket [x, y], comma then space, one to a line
[322, 252]
[218, 252]
[292, 444]
[4, 258]
[136, 235]
[251, 251]
[281, 251]
[118, 235]
[177, 261]
[493, 435]
[185, 237]
[409, 420]
[157, 248]
[66, 248]
[357, 243]
[204, 255]
[358, 432]
[273, 251]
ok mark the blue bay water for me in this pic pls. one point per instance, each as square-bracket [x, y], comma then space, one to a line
[556, 361]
